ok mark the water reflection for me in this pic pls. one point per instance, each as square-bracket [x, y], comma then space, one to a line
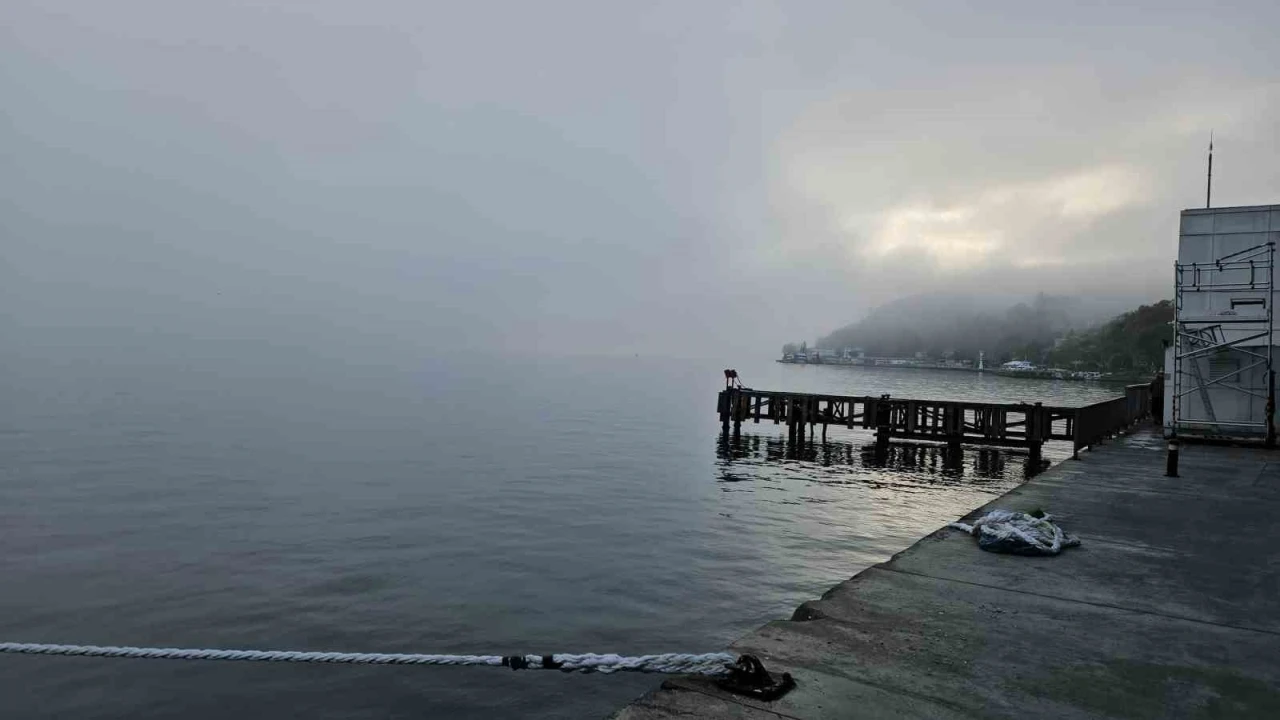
[746, 457]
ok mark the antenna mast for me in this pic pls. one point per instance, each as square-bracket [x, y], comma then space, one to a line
[1208, 186]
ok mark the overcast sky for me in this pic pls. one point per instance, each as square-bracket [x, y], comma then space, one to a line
[693, 178]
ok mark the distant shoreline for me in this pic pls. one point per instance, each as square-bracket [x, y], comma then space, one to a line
[1020, 374]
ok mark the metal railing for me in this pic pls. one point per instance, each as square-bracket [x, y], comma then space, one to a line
[1095, 422]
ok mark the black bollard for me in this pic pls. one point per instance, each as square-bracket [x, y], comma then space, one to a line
[1171, 460]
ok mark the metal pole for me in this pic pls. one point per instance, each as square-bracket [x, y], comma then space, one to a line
[1175, 407]
[1208, 187]
[1271, 328]
[1271, 408]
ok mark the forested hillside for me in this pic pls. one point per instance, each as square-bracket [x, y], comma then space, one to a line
[961, 327]
[1133, 341]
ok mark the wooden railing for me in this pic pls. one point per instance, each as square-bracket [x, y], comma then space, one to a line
[955, 422]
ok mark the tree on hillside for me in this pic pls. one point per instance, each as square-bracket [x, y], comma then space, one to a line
[1133, 341]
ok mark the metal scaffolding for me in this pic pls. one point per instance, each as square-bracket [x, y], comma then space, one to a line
[1223, 353]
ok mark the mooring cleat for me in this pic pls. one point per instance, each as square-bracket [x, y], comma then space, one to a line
[748, 677]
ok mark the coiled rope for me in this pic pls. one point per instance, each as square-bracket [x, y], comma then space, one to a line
[711, 664]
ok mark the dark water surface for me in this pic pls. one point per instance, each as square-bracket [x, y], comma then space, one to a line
[468, 506]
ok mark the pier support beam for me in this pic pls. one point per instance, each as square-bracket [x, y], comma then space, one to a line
[882, 439]
[1037, 420]
[802, 419]
[790, 416]
[884, 415]
[954, 455]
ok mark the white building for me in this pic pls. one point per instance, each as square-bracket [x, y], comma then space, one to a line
[1218, 371]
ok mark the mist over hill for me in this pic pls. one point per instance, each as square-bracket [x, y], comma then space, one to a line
[944, 325]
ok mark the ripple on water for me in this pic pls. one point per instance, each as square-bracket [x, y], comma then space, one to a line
[566, 506]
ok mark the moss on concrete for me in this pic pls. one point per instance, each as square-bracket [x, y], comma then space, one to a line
[1142, 691]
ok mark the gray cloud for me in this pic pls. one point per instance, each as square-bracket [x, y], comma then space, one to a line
[689, 178]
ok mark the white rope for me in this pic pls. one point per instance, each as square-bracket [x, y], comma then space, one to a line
[670, 663]
[675, 663]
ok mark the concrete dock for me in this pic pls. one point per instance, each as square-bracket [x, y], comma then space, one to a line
[1169, 609]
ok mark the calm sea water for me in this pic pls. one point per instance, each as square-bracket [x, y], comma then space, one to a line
[469, 506]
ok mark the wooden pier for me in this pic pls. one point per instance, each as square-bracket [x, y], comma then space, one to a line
[950, 421]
